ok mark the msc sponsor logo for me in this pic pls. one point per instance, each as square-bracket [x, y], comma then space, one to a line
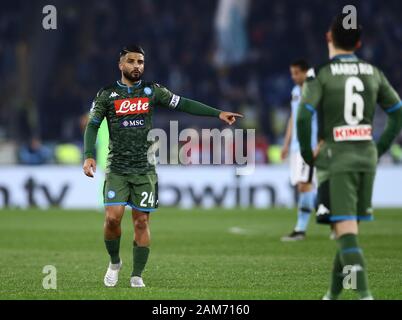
[136, 123]
[131, 106]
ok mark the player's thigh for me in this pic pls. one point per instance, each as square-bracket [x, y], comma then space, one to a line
[365, 193]
[114, 214]
[343, 195]
[144, 192]
[116, 190]
[323, 210]
[344, 192]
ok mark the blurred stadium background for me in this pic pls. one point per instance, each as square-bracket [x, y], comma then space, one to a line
[232, 54]
[236, 60]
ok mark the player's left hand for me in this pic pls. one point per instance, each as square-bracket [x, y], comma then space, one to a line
[229, 117]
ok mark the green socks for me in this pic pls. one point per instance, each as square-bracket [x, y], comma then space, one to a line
[140, 255]
[336, 279]
[140, 258]
[113, 248]
[350, 256]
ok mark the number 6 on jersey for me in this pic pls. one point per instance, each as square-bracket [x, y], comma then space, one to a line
[353, 117]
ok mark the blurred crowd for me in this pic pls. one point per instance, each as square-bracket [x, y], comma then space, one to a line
[49, 78]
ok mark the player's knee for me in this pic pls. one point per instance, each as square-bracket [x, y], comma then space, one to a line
[346, 227]
[141, 222]
[112, 222]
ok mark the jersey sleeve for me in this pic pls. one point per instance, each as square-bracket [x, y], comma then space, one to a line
[98, 109]
[388, 98]
[170, 100]
[311, 92]
[311, 97]
[165, 98]
[96, 115]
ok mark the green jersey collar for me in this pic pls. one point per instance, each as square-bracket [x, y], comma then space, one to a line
[129, 89]
[345, 57]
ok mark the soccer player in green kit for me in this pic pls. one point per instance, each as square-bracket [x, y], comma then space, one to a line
[344, 92]
[128, 106]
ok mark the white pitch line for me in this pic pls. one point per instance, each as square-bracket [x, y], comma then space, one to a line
[238, 230]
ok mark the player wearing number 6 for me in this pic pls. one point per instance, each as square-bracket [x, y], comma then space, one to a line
[344, 93]
[128, 106]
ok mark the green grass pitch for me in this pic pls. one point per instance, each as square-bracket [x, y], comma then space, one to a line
[195, 254]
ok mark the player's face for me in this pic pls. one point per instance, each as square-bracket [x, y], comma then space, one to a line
[298, 75]
[132, 66]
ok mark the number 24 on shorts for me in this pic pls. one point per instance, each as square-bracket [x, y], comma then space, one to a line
[147, 198]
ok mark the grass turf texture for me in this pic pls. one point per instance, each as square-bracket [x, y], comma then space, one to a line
[196, 254]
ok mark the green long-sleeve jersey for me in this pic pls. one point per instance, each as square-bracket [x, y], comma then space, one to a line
[345, 92]
[129, 113]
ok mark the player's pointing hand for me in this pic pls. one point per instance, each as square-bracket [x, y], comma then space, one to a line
[89, 167]
[229, 117]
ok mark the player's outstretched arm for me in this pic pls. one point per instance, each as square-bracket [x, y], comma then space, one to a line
[229, 117]
[200, 109]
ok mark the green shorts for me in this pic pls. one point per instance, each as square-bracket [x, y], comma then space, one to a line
[344, 196]
[139, 191]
